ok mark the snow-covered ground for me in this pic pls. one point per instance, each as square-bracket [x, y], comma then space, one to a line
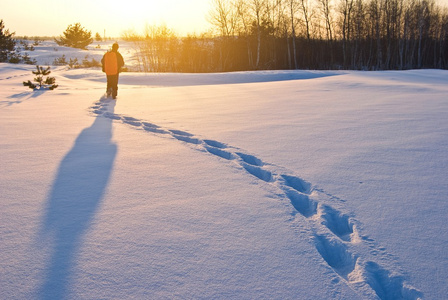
[248, 185]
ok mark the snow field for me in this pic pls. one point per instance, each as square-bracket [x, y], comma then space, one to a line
[271, 185]
[337, 229]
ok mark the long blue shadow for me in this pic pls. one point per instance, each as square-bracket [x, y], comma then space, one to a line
[75, 198]
[21, 97]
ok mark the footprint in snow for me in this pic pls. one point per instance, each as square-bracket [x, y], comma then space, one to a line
[336, 254]
[186, 138]
[250, 159]
[180, 132]
[302, 203]
[219, 152]
[132, 121]
[215, 144]
[337, 222]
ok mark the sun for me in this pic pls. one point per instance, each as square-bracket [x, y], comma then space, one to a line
[179, 15]
[136, 10]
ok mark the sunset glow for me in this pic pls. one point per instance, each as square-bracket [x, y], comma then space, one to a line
[113, 17]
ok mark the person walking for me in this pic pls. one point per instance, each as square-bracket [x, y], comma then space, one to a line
[112, 62]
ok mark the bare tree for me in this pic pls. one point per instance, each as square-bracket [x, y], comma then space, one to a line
[257, 9]
[223, 17]
[292, 7]
[306, 9]
[325, 9]
[243, 25]
[345, 10]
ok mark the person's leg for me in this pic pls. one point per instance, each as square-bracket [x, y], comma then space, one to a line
[109, 85]
[115, 86]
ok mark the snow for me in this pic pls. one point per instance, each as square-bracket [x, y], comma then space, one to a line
[247, 185]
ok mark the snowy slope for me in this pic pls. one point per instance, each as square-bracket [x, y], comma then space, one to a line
[249, 185]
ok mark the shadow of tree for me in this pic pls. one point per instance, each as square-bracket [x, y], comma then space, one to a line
[73, 202]
[21, 97]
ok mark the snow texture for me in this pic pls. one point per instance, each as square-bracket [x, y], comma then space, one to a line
[247, 185]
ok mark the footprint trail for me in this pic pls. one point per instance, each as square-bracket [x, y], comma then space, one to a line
[333, 232]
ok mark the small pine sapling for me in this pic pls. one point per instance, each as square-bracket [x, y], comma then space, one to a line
[47, 83]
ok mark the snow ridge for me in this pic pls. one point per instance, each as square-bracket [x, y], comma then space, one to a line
[334, 233]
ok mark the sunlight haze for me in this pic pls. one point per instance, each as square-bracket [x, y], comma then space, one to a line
[52, 17]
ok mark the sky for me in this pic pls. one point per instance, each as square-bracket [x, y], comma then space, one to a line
[51, 17]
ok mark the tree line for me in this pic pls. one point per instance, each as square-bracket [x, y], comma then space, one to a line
[304, 34]
[289, 34]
